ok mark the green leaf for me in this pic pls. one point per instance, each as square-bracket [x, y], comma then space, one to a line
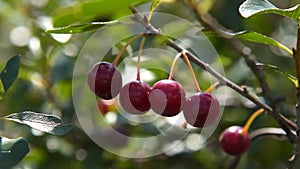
[43, 122]
[155, 4]
[12, 151]
[9, 73]
[259, 38]
[80, 28]
[253, 7]
[276, 69]
[87, 11]
[2, 91]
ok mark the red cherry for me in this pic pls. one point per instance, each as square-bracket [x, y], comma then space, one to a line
[134, 97]
[106, 105]
[233, 141]
[201, 109]
[105, 80]
[167, 98]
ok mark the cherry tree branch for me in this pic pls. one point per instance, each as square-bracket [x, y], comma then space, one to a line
[210, 22]
[296, 55]
[150, 29]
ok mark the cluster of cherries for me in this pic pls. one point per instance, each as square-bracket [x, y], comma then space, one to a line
[166, 97]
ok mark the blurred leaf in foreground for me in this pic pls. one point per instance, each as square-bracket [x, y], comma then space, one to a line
[12, 151]
[9, 73]
[43, 122]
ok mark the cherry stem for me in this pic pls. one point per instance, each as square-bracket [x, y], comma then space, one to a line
[191, 70]
[138, 77]
[189, 66]
[173, 66]
[250, 120]
[116, 60]
[212, 87]
[150, 15]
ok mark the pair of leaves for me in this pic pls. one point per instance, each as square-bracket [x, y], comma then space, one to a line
[12, 151]
[8, 74]
[46, 123]
[253, 7]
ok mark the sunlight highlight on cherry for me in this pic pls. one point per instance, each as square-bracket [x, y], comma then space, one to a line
[167, 98]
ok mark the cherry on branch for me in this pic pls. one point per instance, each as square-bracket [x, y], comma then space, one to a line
[105, 80]
[167, 97]
[201, 109]
[233, 141]
[134, 97]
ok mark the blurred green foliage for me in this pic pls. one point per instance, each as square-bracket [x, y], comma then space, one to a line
[46, 69]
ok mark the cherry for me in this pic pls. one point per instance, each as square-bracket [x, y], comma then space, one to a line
[167, 97]
[105, 80]
[201, 109]
[134, 97]
[105, 106]
[234, 141]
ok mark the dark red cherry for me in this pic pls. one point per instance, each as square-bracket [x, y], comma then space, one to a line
[201, 109]
[167, 98]
[134, 97]
[105, 80]
[233, 141]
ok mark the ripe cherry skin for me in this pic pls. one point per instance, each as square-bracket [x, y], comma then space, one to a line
[105, 80]
[134, 97]
[167, 98]
[233, 142]
[201, 109]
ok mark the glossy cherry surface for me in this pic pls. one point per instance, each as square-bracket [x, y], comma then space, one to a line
[167, 97]
[134, 97]
[233, 141]
[201, 109]
[105, 80]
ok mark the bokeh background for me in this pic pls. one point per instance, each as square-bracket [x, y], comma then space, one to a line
[44, 84]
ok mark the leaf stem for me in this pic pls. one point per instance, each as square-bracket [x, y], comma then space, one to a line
[116, 60]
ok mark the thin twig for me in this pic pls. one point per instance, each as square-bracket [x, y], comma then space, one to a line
[296, 55]
[268, 131]
[235, 162]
